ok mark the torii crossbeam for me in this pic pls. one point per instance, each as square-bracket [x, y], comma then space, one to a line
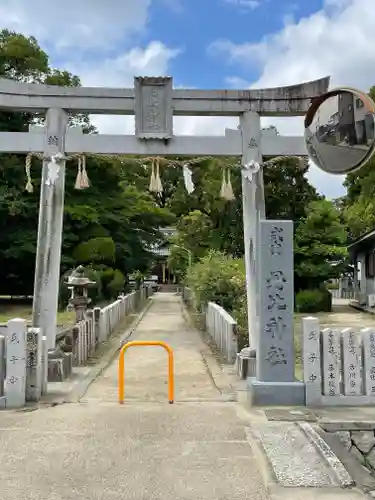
[154, 102]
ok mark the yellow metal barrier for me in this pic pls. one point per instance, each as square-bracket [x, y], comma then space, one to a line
[121, 367]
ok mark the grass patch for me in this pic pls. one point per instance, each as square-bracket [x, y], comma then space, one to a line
[10, 310]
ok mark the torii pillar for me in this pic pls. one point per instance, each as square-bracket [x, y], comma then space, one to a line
[154, 102]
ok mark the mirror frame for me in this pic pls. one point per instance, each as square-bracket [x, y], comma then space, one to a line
[317, 101]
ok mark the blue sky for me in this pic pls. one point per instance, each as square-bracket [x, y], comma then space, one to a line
[206, 44]
[198, 23]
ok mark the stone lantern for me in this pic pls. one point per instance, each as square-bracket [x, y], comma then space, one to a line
[79, 285]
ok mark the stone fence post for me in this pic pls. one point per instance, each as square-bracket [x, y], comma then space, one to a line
[2, 370]
[97, 324]
[44, 365]
[16, 363]
[34, 364]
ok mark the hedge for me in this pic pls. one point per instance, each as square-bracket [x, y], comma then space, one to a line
[220, 278]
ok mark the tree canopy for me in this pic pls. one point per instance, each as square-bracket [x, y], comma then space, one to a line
[106, 225]
[112, 225]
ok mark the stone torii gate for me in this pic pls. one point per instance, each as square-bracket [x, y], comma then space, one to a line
[154, 102]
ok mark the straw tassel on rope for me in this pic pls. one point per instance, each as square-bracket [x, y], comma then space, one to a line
[152, 186]
[158, 184]
[223, 185]
[29, 185]
[82, 180]
[226, 191]
[85, 182]
[229, 194]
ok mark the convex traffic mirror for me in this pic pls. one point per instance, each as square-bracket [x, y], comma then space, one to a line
[339, 130]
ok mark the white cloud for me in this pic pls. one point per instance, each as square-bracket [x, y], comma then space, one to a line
[88, 24]
[154, 60]
[335, 41]
[236, 82]
[244, 4]
[119, 72]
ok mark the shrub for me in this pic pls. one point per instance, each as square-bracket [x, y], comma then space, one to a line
[239, 313]
[102, 249]
[113, 282]
[221, 279]
[312, 301]
[332, 286]
[116, 285]
[217, 278]
[95, 291]
[326, 305]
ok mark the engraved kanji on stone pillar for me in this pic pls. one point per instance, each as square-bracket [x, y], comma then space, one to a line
[153, 107]
[331, 361]
[311, 360]
[275, 358]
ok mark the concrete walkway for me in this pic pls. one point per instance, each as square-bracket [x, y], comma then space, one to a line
[146, 449]
[202, 447]
[146, 368]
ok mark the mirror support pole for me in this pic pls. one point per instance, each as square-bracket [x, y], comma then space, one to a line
[253, 211]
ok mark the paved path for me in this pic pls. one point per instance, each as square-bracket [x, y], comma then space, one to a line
[200, 448]
[146, 449]
[146, 367]
[336, 157]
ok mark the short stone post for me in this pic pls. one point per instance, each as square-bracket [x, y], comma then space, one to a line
[2, 367]
[368, 343]
[351, 363]
[331, 362]
[275, 382]
[44, 366]
[34, 364]
[312, 373]
[90, 331]
[15, 384]
[97, 324]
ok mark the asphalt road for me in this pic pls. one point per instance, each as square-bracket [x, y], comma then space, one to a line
[337, 158]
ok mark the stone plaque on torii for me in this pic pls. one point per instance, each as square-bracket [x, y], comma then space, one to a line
[154, 102]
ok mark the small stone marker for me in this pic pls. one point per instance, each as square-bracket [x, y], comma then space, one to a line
[34, 364]
[331, 366]
[275, 356]
[44, 366]
[311, 359]
[15, 384]
[368, 342]
[350, 363]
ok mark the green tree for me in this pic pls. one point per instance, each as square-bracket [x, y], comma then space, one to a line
[287, 190]
[111, 210]
[320, 246]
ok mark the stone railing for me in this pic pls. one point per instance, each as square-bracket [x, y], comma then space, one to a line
[342, 294]
[222, 328]
[25, 363]
[81, 340]
[339, 365]
[112, 314]
[187, 295]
